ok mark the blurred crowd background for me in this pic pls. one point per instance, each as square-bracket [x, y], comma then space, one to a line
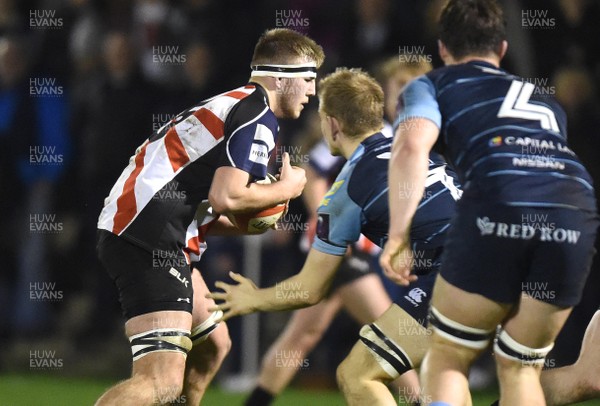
[84, 82]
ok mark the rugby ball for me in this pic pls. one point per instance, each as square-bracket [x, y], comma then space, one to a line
[259, 221]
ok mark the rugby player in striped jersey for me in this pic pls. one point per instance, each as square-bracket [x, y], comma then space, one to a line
[149, 233]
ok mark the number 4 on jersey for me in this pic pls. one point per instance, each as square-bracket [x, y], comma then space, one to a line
[516, 104]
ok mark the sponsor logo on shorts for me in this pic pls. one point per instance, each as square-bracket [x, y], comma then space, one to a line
[527, 231]
[415, 296]
[180, 278]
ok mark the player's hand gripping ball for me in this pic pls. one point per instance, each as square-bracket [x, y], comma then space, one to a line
[259, 221]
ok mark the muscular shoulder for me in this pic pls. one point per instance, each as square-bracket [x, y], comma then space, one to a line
[251, 109]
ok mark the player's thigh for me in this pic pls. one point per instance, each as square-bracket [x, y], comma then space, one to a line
[206, 329]
[365, 298]
[469, 309]
[201, 303]
[536, 323]
[591, 339]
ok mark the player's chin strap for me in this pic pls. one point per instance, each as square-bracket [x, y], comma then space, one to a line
[203, 330]
[301, 70]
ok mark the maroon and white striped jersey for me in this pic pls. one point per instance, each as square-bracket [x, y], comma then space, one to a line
[153, 202]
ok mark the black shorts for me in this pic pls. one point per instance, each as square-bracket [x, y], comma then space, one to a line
[502, 252]
[354, 266]
[146, 281]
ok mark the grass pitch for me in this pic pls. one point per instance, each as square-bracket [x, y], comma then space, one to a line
[40, 390]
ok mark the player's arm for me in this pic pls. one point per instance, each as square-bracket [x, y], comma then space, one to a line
[301, 290]
[231, 190]
[416, 134]
[223, 227]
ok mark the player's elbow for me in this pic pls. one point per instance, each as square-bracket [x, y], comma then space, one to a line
[223, 202]
[313, 297]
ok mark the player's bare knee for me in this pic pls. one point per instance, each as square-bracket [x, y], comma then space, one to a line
[222, 342]
[346, 375]
[590, 380]
[209, 353]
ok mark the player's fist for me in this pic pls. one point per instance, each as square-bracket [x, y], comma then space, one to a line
[292, 177]
[396, 262]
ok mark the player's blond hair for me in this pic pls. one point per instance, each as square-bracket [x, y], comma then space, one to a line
[282, 46]
[396, 65]
[354, 98]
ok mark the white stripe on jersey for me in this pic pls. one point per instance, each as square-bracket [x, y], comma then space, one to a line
[157, 168]
[106, 220]
[196, 139]
[262, 113]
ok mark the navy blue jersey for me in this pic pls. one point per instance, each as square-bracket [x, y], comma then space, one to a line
[358, 202]
[505, 138]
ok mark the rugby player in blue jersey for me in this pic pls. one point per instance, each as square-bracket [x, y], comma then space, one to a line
[351, 111]
[519, 249]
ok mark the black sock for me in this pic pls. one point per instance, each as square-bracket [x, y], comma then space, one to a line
[259, 397]
[496, 403]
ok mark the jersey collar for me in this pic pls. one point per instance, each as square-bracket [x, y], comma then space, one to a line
[372, 139]
[262, 90]
[366, 143]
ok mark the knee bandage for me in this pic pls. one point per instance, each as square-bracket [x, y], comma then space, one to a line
[203, 330]
[388, 354]
[507, 347]
[160, 340]
[457, 333]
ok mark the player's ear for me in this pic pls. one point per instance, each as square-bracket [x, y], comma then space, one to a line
[502, 49]
[443, 51]
[336, 127]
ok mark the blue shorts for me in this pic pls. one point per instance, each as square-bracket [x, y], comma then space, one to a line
[502, 251]
[414, 298]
